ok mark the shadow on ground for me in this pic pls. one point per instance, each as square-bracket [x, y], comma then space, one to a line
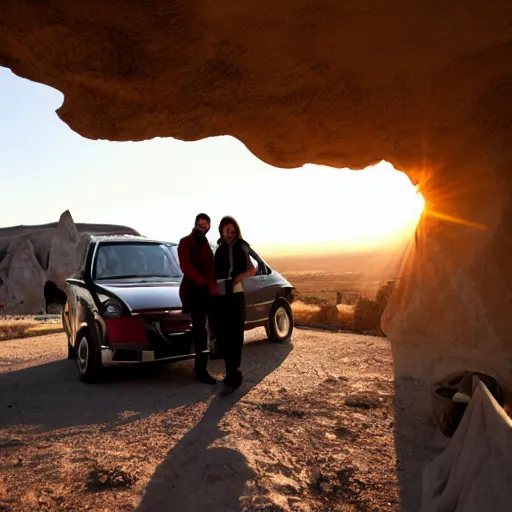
[194, 475]
[197, 476]
[50, 396]
[417, 439]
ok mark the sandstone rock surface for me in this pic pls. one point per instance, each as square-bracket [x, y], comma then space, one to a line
[26, 279]
[423, 85]
[31, 256]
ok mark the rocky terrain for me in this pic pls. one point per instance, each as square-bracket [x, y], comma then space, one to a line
[31, 256]
[320, 424]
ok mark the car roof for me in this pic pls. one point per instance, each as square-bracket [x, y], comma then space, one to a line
[127, 239]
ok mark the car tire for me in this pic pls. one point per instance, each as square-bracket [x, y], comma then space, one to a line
[280, 321]
[88, 359]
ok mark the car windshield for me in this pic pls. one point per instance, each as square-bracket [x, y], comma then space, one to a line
[134, 261]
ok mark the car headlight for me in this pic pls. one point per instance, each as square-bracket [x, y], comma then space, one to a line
[112, 308]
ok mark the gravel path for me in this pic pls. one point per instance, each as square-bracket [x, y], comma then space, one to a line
[320, 424]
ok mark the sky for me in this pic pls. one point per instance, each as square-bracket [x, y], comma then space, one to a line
[158, 186]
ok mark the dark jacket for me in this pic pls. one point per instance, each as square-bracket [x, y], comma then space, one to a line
[240, 259]
[196, 263]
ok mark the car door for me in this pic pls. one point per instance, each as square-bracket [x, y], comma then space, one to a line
[259, 292]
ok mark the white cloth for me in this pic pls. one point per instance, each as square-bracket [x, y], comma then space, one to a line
[474, 473]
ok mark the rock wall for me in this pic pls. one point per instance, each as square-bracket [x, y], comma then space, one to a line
[452, 308]
[30, 256]
[423, 85]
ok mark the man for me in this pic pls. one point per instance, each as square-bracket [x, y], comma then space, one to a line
[197, 287]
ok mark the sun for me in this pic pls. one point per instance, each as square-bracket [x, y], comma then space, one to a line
[417, 206]
[419, 203]
[341, 209]
[382, 206]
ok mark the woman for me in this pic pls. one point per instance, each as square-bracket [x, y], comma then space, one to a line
[232, 266]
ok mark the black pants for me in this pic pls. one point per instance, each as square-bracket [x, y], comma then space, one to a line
[200, 337]
[229, 326]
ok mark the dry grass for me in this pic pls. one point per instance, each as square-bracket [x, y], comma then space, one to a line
[341, 316]
[364, 315]
[321, 287]
[11, 329]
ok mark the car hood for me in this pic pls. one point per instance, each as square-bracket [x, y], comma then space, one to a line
[139, 296]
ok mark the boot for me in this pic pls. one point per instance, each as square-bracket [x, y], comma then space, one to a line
[231, 383]
[204, 377]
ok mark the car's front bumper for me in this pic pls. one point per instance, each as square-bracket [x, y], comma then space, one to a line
[110, 358]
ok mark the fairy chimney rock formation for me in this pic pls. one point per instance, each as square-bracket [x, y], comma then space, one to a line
[64, 255]
[31, 256]
[26, 279]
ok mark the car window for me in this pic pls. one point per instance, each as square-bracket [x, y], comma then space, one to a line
[135, 260]
[261, 268]
[254, 261]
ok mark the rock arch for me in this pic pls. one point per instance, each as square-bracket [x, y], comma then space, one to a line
[423, 85]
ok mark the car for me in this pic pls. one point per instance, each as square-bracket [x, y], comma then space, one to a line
[122, 306]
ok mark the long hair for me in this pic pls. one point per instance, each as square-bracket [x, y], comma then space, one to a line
[224, 222]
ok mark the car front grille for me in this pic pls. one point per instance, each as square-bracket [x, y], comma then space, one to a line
[168, 332]
[168, 322]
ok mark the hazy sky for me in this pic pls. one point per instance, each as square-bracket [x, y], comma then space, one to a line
[158, 186]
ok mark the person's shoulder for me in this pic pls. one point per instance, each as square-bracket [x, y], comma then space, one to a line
[185, 239]
[244, 245]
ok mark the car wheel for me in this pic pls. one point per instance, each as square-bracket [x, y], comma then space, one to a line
[88, 359]
[280, 321]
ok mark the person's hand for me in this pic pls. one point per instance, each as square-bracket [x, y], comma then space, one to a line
[214, 289]
[236, 280]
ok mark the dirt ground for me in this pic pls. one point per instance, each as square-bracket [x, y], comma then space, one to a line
[320, 424]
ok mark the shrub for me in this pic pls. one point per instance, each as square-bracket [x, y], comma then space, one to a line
[368, 312]
[384, 293]
[327, 315]
[367, 315]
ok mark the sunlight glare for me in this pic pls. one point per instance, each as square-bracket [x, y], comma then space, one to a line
[337, 209]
